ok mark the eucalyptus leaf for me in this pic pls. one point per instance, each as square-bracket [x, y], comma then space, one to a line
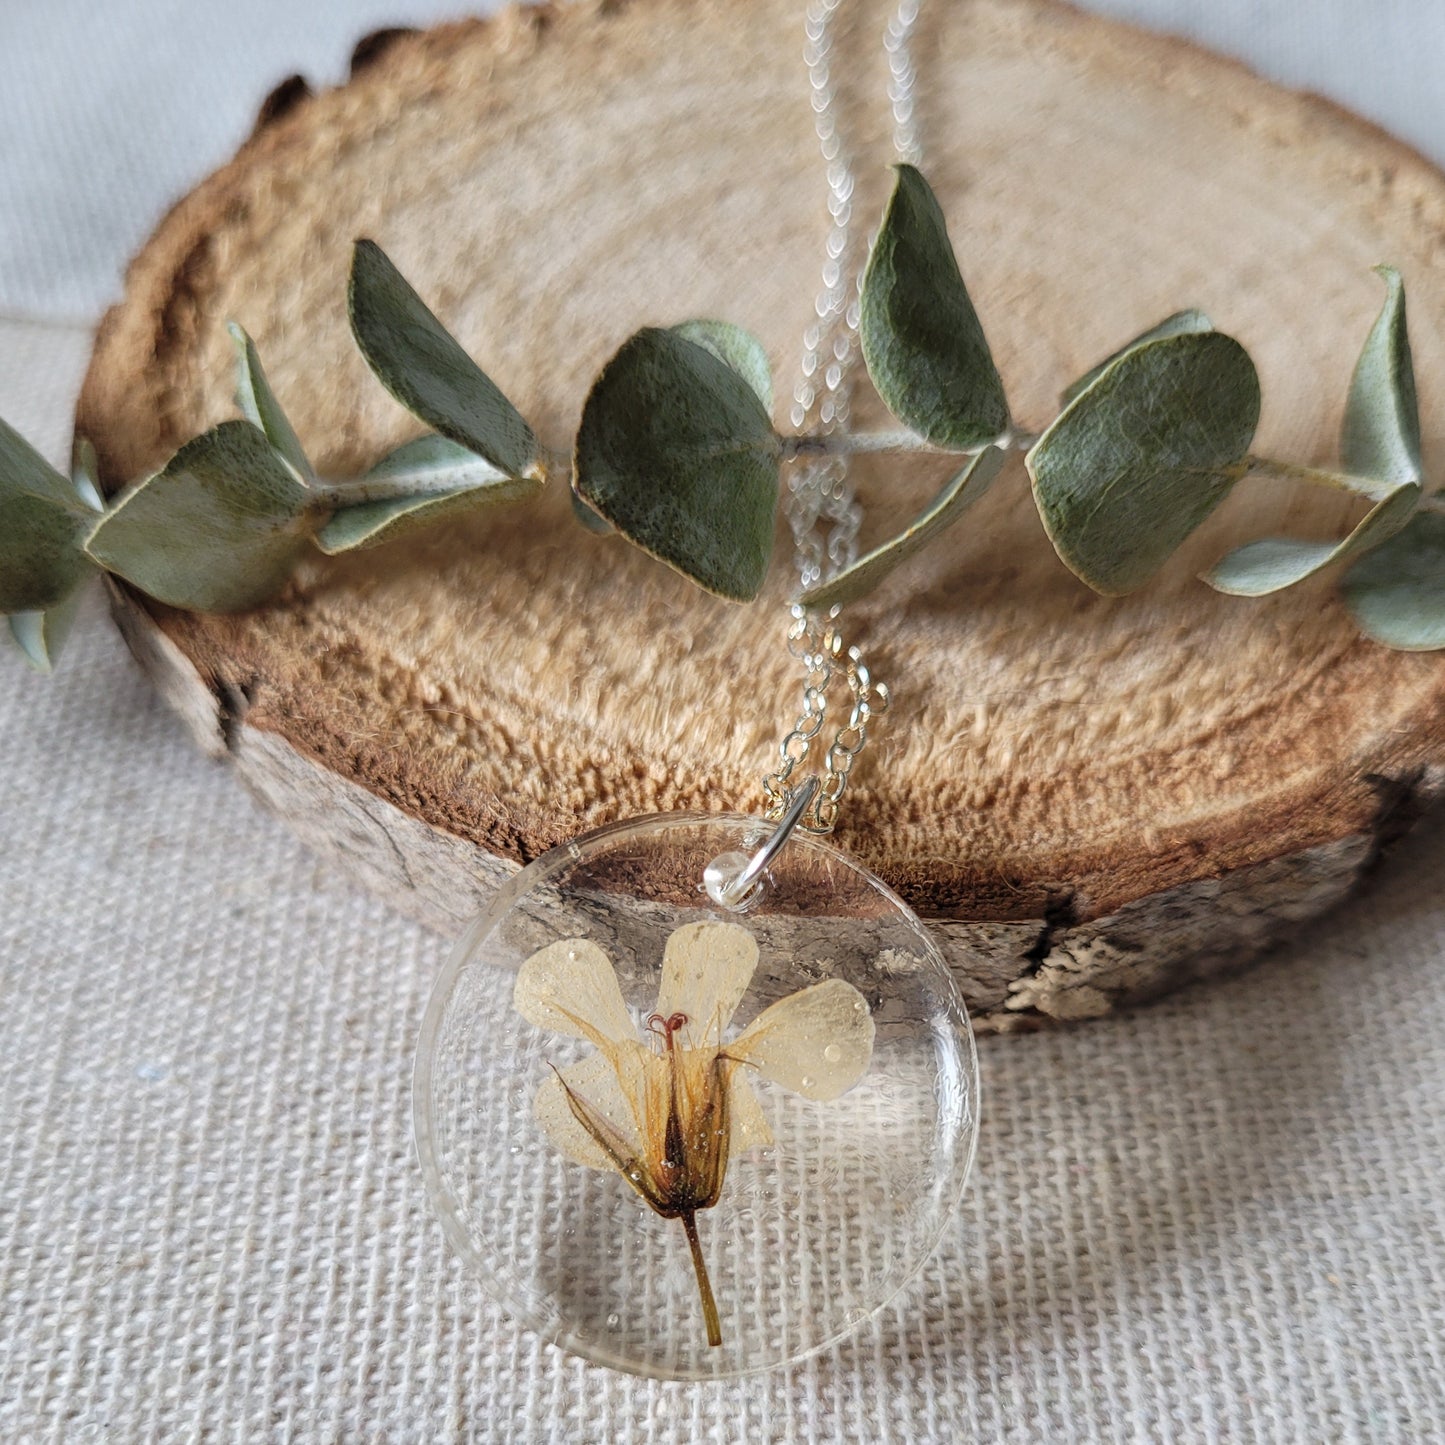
[740, 349]
[1396, 593]
[85, 474]
[1135, 463]
[1380, 436]
[259, 405]
[1181, 323]
[945, 509]
[676, 451]
[218, 530]
[430, 461]
[423, 366]
[1274, 563]
[449, 479]
[593, 521]
[921, 338]
[42, 635]
[369, 524]
[42, 527]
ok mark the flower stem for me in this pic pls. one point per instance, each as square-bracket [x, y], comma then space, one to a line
[704, 1287]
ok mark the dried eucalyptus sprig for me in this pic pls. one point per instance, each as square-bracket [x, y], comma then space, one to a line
[676, 450]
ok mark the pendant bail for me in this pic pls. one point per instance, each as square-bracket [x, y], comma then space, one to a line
[732, 879]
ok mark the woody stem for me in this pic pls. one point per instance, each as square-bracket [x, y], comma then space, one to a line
[704, 1287]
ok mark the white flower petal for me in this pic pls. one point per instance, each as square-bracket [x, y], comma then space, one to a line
[816, 1042]
[595, 1080]
[747, 1125]
[570, 988]
[706, 969]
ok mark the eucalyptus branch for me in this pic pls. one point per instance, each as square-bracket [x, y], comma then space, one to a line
[849, 444]
[1268, 467]
[676, 451]
[451, 469]
[843, 444]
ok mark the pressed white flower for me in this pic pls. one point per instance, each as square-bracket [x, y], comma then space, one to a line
[666, 1108]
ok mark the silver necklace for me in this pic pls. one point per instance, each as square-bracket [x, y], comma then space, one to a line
[822, 513]
[697, 1095]
[820, 505]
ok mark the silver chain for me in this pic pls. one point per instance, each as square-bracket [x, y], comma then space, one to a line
[822, 512]
[819, 646]
[903, 81]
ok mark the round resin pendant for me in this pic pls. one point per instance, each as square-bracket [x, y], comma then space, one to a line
[686, 1139]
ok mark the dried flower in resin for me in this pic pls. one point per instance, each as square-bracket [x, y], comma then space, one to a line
[667, 1109]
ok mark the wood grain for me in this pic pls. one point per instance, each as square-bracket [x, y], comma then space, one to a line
[1093, 799]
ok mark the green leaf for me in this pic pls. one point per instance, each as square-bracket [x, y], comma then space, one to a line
[425, 369]
[1274, 563]
[676, 451]
[1396, 593]
[218, 530]
[593, 521]
[431, 461]
[1135, 463]
[1380, 436]
[740, 349]
[369, 524]
[42, 526]
[945, 509]
[259, 405]
[921, 338]
[85, 474]
[42, 635]
[1181, 323]
[449, 480]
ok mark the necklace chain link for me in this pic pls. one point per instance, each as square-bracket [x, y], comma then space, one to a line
[819, 646]
[822, 513]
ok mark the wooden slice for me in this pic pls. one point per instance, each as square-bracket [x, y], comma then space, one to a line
[1093, 799]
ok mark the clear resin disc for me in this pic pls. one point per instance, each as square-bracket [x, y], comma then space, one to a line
[650, 1122]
